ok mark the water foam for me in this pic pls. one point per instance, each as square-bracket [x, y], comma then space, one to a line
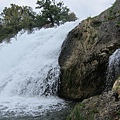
[113, 69]
[29, 71]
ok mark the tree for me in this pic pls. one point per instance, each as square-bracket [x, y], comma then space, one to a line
[40, 21]
[71, 17]
[53, 12]
[46, 6]
[27, 18]
[17, 17]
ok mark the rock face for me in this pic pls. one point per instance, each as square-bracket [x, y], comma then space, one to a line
[103, 107]
[85, 53]
[116, 87]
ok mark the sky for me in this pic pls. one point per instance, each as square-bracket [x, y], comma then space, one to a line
[82, 8]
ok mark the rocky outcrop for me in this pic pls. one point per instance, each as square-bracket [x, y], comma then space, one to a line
[85, 53]
[116, 87]
[103, 107]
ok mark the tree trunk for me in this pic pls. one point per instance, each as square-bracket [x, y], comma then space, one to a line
[52, 21]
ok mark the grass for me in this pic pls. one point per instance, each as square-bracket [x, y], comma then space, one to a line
[76, 115]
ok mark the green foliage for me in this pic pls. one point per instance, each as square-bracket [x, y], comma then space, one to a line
[83, 111]
[71, 17]
[76, 114]
[40, 21]
[6, 33]
[14, 19]
[55, 12]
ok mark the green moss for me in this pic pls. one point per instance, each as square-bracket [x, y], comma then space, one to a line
[76, 114]
[81, 112]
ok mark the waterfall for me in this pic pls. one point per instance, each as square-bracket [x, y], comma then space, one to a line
[29, 72]
[113, 70]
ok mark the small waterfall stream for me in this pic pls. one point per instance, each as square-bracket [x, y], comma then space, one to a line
[113, 70]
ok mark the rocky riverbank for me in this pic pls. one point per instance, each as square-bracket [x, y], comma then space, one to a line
[102, 107]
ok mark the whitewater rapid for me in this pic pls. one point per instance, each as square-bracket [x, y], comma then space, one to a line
[29, 72]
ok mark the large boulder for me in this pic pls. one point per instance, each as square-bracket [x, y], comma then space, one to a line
[85, 53]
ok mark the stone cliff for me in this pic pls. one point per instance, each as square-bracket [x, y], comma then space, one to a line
[85, 53]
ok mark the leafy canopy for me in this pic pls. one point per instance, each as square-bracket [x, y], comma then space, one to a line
[14, 19]
[54, 12]
[17, 17]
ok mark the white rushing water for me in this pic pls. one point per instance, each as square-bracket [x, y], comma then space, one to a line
[29, 72]
[113, 69]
